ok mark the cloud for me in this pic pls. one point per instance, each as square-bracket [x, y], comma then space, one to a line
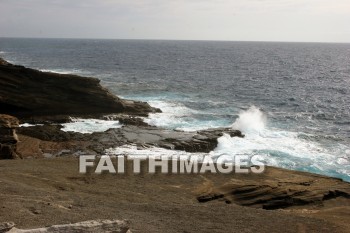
[293, 20]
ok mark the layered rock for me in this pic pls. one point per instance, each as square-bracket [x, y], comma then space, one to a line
[45, 192]
[26, 92]
[276, 189]
[8, 137]
[116, 226]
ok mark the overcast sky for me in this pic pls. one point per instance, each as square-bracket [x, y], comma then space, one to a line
[242, 20]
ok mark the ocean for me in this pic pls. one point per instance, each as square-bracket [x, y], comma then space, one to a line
[291, 100]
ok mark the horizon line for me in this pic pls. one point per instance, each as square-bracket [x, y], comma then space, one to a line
[158, 39]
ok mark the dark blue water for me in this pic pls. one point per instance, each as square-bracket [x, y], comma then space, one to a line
[301, 91]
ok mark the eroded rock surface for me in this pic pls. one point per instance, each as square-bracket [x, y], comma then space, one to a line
[111, 226]
[6, 226]
[277, 190]
[8, 137]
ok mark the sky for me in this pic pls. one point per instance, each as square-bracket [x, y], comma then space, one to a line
[231, 20]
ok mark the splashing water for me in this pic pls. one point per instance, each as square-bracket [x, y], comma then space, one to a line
[252, 120]
[282, 148]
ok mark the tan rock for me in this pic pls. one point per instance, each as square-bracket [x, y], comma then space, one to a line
[8, 136]
[278, 190]
[7, 121]
[115, 226]
[6, 226]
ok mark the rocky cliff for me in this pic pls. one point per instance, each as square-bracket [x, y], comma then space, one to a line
[26, 92]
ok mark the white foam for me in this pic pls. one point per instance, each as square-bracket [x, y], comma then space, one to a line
[277, 147]
[175, 115]
[281, 148]
[172, 115]
[90, 125]
[29, 125]
[252, 120]
[133, 151]
[63, 71]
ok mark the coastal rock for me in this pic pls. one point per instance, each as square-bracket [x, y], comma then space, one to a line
[29, 147]
[115, 226]
[8, 137]
[200, 141]
[47, 133]
[7, 121]
[207, 140]
[127, 120]
[276, 190]
[3, 62]
[29, 93]
[6, 226]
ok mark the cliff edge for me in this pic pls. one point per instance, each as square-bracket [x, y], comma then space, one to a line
[26, 92]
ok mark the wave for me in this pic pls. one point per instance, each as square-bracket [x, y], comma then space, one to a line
[172, 115]
[279, 148]
[284, 148]
[252, 120]
[89, 126]
[177, 116]
[65, 71]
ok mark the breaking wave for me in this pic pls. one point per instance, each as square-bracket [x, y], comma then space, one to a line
[282, 148]
[177, 116]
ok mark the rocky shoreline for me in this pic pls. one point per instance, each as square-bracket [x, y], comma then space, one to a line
[49, 99]
[37, 96]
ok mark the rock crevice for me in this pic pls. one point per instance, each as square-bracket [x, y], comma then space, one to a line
[276, 193]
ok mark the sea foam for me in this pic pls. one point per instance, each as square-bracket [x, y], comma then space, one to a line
[279, 148]
[282, 148]
[177, 116]
[134, 151]
[29, 125]
[251, 121]
[66, 71]
[90, 125]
